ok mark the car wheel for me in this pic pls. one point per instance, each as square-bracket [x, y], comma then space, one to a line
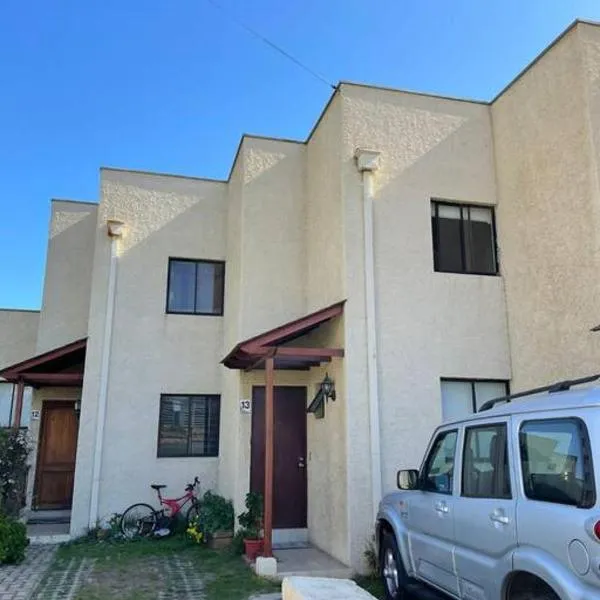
[391, 569]
[534, 595]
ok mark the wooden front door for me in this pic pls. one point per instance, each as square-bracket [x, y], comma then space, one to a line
[56, 456]
[289, 440]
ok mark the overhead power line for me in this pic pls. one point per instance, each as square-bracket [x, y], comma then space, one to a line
[273, 45]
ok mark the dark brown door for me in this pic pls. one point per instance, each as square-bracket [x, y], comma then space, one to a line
[289, 468]
[56, 456]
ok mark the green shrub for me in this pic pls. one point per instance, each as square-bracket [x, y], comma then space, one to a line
[216, 513]
[251, 520]
[371, 558]
[237, 545]
[14, 449]
[13, 540]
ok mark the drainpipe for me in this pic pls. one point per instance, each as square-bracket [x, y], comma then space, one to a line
[367, 162]
[115, 232]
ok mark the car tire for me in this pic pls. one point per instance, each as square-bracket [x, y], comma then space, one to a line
[534, 595]
[391, 569]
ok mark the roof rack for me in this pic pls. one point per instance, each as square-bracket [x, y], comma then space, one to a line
[559, 386]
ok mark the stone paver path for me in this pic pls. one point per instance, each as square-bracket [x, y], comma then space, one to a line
[18, 582]
[161, 577]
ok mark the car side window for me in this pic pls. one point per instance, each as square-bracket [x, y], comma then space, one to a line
[485, 471]
[438, 472]
[557, 462]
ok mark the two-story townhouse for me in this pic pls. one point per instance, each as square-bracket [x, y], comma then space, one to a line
[422, 252]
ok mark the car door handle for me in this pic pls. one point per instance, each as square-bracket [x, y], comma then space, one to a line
[441, 507]
[499, 517]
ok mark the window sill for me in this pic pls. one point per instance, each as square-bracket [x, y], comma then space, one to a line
[498, 274]
[194, 314]
[189, 456]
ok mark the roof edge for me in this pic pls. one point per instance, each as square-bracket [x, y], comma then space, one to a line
[539, 56]
[27, 310]
[414, 93]
[161, 174]
[85, 202]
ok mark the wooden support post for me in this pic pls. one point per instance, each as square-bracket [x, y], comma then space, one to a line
[268, 495]
[18, 407]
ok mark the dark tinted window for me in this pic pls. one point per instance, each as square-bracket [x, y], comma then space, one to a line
[195, 287]
[189, 426]
[485, 463]
[463, 238]
[557, 463]
[438, 474]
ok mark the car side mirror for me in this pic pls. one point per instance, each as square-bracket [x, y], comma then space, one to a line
[408, 479]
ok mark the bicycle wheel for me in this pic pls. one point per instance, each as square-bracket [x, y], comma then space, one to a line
[138, 520]
[193, 512]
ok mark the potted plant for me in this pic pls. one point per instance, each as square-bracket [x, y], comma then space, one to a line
[217, 516]
[251, 522]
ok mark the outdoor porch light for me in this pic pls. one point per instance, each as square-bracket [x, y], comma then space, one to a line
[77, 407]
[328, 387]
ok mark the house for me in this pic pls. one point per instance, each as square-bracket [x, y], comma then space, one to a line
[424, 253]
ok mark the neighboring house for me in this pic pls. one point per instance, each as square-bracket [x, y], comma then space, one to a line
[456, 254]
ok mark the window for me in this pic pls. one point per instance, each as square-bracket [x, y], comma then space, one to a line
[7, 401]
[485, 465]
[189, 425]
[557, 463]
[438, 473]
[463, 238]
[463, 397]
[195, 287]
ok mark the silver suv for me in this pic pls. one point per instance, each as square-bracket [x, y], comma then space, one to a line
[505, 505]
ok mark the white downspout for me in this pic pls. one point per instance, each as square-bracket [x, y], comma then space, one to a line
[367, 162]
[115, 232]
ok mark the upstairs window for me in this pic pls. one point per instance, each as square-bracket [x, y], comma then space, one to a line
[464, 238]
[195, 287]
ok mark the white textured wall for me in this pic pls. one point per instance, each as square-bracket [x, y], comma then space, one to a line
[273, 234]
[429, 325]
[68, 276]
[546, 131]
[152, 352]
[18, 334]
[325, 268]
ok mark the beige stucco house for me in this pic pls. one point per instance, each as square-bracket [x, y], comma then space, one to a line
[426, 252]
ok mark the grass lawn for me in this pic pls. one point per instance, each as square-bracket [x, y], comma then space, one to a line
[373, 585]
[150, 569]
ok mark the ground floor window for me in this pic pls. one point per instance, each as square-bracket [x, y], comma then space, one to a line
[8, 401]
[189, 425]
[462, 397]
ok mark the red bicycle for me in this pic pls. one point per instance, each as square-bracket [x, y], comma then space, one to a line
[142, 520]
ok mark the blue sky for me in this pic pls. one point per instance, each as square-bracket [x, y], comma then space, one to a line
[170, 86]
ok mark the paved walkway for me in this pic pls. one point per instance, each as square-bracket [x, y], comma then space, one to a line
[18, 582]
[169, 577]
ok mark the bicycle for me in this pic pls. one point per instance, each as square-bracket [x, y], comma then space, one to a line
[142, 520]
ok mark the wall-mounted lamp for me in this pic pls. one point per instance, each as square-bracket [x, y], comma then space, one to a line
[328, 387]
[77, 408]
[325, 392]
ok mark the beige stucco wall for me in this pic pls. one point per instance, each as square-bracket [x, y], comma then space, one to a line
[429, 325]
[151, 352]
[546, 128]
[68, 275]
[18, 334]
[265, 273]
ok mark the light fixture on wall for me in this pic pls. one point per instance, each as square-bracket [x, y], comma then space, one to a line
[77, 408]
[328, 387]
[325, 392]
